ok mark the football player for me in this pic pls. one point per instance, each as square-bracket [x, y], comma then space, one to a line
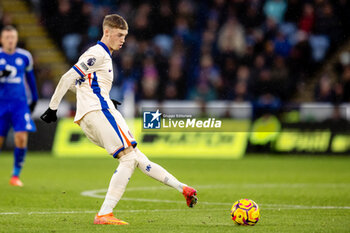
[16, 68]
[103, 124]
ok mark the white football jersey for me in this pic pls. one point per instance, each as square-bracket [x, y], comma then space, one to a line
[93, 77]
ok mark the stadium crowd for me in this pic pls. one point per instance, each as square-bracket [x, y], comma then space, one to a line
[241, 50]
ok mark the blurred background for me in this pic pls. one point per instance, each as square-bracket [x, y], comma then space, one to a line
[248, 59]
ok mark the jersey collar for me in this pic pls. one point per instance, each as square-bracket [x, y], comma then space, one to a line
[104, 46]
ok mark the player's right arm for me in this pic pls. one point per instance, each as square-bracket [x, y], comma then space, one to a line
[65, 83]
[88, 63]
[4, 72]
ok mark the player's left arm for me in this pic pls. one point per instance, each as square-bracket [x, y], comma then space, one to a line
[32, 86]
[30, 77]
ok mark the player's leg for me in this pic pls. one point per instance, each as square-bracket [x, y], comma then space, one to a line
[5, 123]
[116, 189]
[118, 183]
[21, 141]
[2, 139]
[152, 169]
[99, 129]
[159, 173]
[22, 124]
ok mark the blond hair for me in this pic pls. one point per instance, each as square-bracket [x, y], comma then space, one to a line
[115, 21]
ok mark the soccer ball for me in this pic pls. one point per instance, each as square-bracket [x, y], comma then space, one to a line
[245, 212]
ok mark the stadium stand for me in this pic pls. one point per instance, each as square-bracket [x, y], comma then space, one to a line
[208, 50]
[49, 61]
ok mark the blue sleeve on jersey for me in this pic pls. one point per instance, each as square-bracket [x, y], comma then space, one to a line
[32, 85]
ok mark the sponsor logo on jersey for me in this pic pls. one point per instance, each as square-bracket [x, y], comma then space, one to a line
[84, 66]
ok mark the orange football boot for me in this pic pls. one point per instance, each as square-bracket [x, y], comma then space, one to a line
[108, 219]
[15, 181]
[190, 195]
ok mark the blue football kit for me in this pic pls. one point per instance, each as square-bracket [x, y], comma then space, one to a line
[17, 69]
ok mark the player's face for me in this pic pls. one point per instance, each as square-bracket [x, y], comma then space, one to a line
[9, 40]
[117, 38]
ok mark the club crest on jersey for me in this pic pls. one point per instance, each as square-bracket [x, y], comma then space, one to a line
[91, 61]
[19, 61]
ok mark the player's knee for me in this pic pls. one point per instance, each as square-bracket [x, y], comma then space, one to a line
[129, 160]
[21, 139]
[2, 139]
[142, 160]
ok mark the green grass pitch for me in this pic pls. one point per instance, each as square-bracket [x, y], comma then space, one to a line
[295, 194]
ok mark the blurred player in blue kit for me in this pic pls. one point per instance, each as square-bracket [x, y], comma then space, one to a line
[16, 69]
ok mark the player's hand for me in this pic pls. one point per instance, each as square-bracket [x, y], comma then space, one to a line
[116, 103]
[49, 116]
[4, 73]
[32, 106]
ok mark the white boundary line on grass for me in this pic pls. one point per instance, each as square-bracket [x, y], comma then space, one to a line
[95, 211]
[276, 207]
[95, 194]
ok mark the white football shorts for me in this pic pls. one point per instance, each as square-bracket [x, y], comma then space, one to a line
[107, 128]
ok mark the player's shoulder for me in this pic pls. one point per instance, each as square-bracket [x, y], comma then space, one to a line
[24, 52]
[95, 51]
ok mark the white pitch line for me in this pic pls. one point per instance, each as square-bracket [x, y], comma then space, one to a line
[262, 185]
[257, 185]
[95, 211]
[94, 193]
[269, 207]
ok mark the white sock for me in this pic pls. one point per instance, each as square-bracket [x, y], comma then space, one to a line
[157, 172]
[118, 182]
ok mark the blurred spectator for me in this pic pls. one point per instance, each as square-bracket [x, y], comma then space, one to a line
[228, 70]
[5, 19]
[275, 9]
[307, 20]
[345, 81]
[342, 11]
[293, 11]
[326, 23]
[240, 92]
[300, 61]
[324, 91]
[175, 83]
[253, 17]
[231, 38]
[209, 80]
[150, 80]
[280, 76]
[281, 44]
[163, 20]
